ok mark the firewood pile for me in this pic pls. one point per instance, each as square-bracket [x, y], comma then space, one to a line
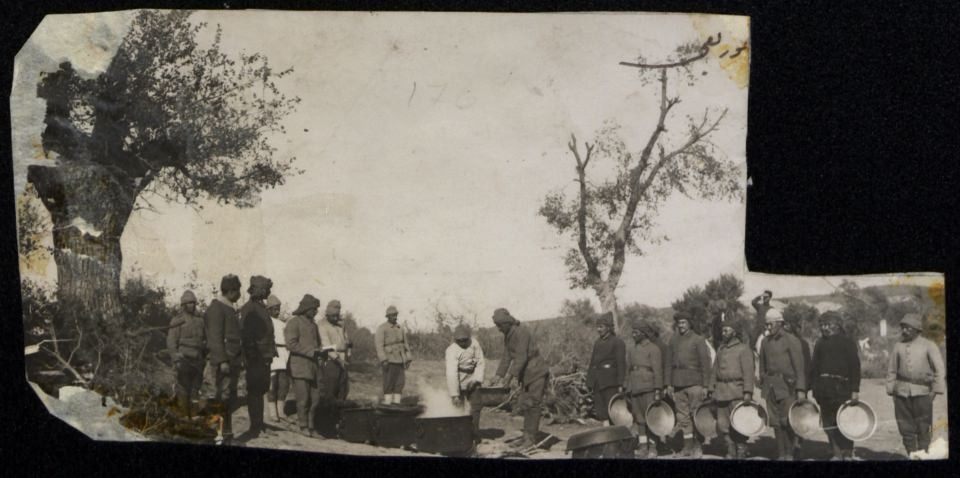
[153, 414]
[568, 399]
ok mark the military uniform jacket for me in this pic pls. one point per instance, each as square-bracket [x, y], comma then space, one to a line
[333, 336]
[688, 361]
[303, 342]
[187, 337]
[608, 363]
[257, 329]
[733, 371]
[521, 356]
[835, 367]
[391, 342]
[781, 366]
[915, 368]
[224, 338]
[283, 355]
[644, 367]
[464, 367]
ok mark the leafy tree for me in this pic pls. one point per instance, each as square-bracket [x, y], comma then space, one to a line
[580, 308]
[611, 217]
[804, 315]
[169, 118]
[706, 305]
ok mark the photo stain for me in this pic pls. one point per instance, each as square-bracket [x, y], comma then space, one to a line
[937, 321]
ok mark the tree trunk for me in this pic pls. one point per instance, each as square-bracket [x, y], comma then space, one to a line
[608, 302]
[90, 208]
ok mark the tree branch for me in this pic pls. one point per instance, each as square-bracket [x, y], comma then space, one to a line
[703, 52]
[593, 273]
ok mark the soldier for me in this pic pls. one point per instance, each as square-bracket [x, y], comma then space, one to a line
[259, 349]
[302, 340]
[733, 382]
[465, 368]
[394, 354]
[224, 342]
[334, 381]
[761, 304]
[782, 380]
[187, 343]
[795, 328]
[279, 375]
[834, 379]
[915, 376]
[688, 378]
[644, 380]
[522, 360]
[608, 367]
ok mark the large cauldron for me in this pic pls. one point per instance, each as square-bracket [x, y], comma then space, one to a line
[394, 425]
[604, 442]
[356, 425]
[445, 435]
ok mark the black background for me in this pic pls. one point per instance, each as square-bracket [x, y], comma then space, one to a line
[852, 149]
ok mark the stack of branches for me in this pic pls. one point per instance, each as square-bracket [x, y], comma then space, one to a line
[568, 399]
[155, 413]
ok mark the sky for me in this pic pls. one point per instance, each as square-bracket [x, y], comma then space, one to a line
[428, 142]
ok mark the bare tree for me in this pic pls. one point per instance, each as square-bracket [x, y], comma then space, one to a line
[610, 218]
[168, 117]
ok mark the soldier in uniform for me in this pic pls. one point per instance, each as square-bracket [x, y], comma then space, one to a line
[303, 343]
[334, 381]
[394, 354]
[259, 349]
[279, 375]
[834, 379]
[795, 328]
[915, 376]
[224, 342]
[522, 360]
[782, 380]
[464, 370]
[644, 380]
[733, 381]
[187, 342]
[608, 367]
[688, 378]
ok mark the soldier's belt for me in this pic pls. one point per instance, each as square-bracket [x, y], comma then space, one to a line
[466, 369]
[729, 380]
[685, 367]
[640, 367]
[837, 377]
[915, 381]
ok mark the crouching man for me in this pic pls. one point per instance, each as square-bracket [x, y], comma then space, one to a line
[734, 374]
[465, 367]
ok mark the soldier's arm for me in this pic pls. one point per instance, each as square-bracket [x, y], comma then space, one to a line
[656, 361]
[453, 371]
[892, 370]
[853, 358]
[215, 325]
[706, 366]
[521, 349]
[746, 366]
[668, 362]
[796, 358]
[620, 353]
[939, 371]
[378, 338]
[173, 337]
[481, 364]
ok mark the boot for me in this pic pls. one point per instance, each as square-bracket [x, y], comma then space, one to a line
[642, 447]
[651, 448]
[387, 398]
[695, 450]
[687, 445]
[731, 447]
[396, 398]
[531, 427]
[778, 434]
[741, 451]
[272, 412]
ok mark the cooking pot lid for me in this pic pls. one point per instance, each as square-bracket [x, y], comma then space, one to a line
[598, 436]
[399, 410]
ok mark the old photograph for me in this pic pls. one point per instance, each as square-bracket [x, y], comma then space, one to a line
[435, 234]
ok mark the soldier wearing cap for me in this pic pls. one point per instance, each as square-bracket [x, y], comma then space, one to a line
[688, 377]
[644, 381]
[225, 346]
[259, 349]
[279, 376]
[394, 354]
[782, 380]
[334, 380]
[915, 376]
[608, 367]
[187, 342]
[303, 342]
[464, 371]
[522, 360]
[834, 379]
[733, 382]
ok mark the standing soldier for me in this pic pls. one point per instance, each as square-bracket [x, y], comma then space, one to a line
[782, 380]
[608, 367]
[834, 379]
[644, 380]
[303, 342]
[733, 382]
[522, 360]
[334, 381]
[915, 375]
[465, 367]
[259, 349]
[279, 375]
[795, 328]
[394, 354]
[186, 341]
[224, 342]
[688, 378]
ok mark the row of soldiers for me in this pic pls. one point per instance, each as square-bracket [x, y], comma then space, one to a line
[690, 371]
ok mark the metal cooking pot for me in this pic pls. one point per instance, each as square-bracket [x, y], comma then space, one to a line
[705, 419]
[804, 418]
[493, 396]
[356, 425]
[453, 435]
[604, 442]
[660, 418]
[856, 420]
[748, 419]
[619, 410]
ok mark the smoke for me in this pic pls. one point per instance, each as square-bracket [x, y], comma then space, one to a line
[437, 402]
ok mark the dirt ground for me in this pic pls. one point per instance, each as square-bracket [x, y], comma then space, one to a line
[498, 426]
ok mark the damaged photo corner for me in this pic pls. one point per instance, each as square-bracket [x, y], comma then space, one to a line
[435, 234]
